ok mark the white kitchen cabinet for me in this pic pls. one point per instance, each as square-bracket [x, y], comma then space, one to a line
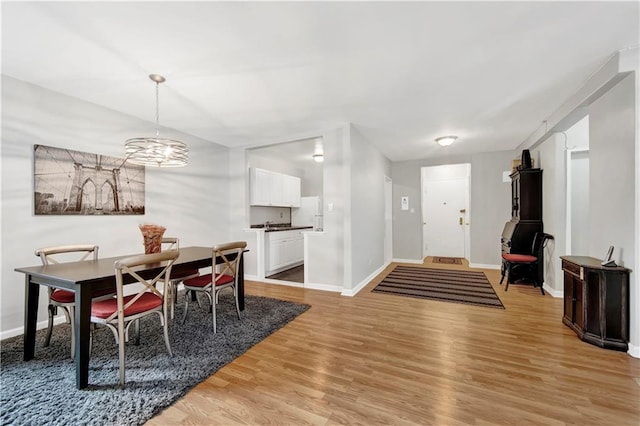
[260, 184]
[269, 188]
[285, 249]
[291, 190]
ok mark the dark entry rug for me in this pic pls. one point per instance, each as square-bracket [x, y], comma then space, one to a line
[448, 260]
[43, 390]
[468, 287]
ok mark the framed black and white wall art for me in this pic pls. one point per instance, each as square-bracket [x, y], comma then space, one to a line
[71, 182]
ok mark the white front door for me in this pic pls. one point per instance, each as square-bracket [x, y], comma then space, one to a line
[444, 217]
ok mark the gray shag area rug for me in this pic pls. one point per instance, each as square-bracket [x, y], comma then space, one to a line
[43, 390]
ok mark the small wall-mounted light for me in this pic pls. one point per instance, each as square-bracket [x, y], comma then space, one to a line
[446, 140]
[318, 152]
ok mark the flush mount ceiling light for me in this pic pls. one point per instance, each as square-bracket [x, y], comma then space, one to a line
[156, 151]
[446, 140]
[318, 152]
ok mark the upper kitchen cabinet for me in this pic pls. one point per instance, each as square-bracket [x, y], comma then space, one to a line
[274, 189]
[291, 190]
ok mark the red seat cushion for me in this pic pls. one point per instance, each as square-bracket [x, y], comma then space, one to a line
[67, 296]
[63, 296]
[105, 308]
[519, 258]
[205, 280]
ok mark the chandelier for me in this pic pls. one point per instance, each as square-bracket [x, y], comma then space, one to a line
[156, 151]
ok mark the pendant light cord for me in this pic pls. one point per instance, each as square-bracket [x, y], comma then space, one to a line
[157, 109]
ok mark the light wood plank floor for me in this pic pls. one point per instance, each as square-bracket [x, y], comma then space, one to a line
[381, 359]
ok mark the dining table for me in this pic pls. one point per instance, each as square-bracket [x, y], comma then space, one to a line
[89, 277]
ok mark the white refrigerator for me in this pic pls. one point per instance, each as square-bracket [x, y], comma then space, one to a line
[308, 214]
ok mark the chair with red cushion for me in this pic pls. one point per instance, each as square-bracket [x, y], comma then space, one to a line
[531, 262]
[173, 243]
[224, 275]
[65, 299]
[119, 313]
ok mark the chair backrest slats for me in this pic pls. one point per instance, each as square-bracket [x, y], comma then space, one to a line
[230, 253]
[58, 254]
[170, 243]
[129, 266]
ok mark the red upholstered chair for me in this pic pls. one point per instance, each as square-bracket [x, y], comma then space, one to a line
[119, 313]
[226, 276]
[173, 243]
[65, 299]
[532, 262]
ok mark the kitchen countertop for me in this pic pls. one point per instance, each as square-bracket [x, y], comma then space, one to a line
[286, 228]
[277, 228]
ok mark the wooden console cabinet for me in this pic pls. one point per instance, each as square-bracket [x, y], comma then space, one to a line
[596, 301]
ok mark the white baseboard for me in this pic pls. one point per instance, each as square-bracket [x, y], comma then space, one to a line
[60, 319]
[282, 282]
[553, 292]
[353, 291]
[323, 287]
[420, 261]
[312, 286]
[484, 266]
[634, 351]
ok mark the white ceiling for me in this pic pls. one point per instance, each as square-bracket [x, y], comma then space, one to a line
[247, 74]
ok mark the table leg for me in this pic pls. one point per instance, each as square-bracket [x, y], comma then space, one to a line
[82, 326]
[31, 296]
[241, 283]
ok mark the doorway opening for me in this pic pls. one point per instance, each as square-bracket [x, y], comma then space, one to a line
[577, 202]
[288, 211]
[445, 210]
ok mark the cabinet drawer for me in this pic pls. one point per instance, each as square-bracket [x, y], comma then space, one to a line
[572, 268]
[284, 235]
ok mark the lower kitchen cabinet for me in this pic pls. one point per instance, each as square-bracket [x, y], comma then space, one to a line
[284, 249]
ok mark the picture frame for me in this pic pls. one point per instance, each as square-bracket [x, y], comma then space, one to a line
[68, 182]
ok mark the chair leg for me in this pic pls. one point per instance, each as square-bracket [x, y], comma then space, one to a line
[52, 310]
[186, 305]
[136, 325]
[508, 272]
[213, 307]
[165, 326]
[174, 299]
[121, 353]
[73, 331]
[502, 272]
[235, 296]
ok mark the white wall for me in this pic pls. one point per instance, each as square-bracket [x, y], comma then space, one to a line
[325, 263]
[551, 159]
[368, 169]
[490, 205]
[611, 99]
[191, 202]
[260, 214]
[612, 172]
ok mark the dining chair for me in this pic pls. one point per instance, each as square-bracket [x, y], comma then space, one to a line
[119, 313]
[533, 262]
[173, 243]
[65, 299]
[224, 275]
